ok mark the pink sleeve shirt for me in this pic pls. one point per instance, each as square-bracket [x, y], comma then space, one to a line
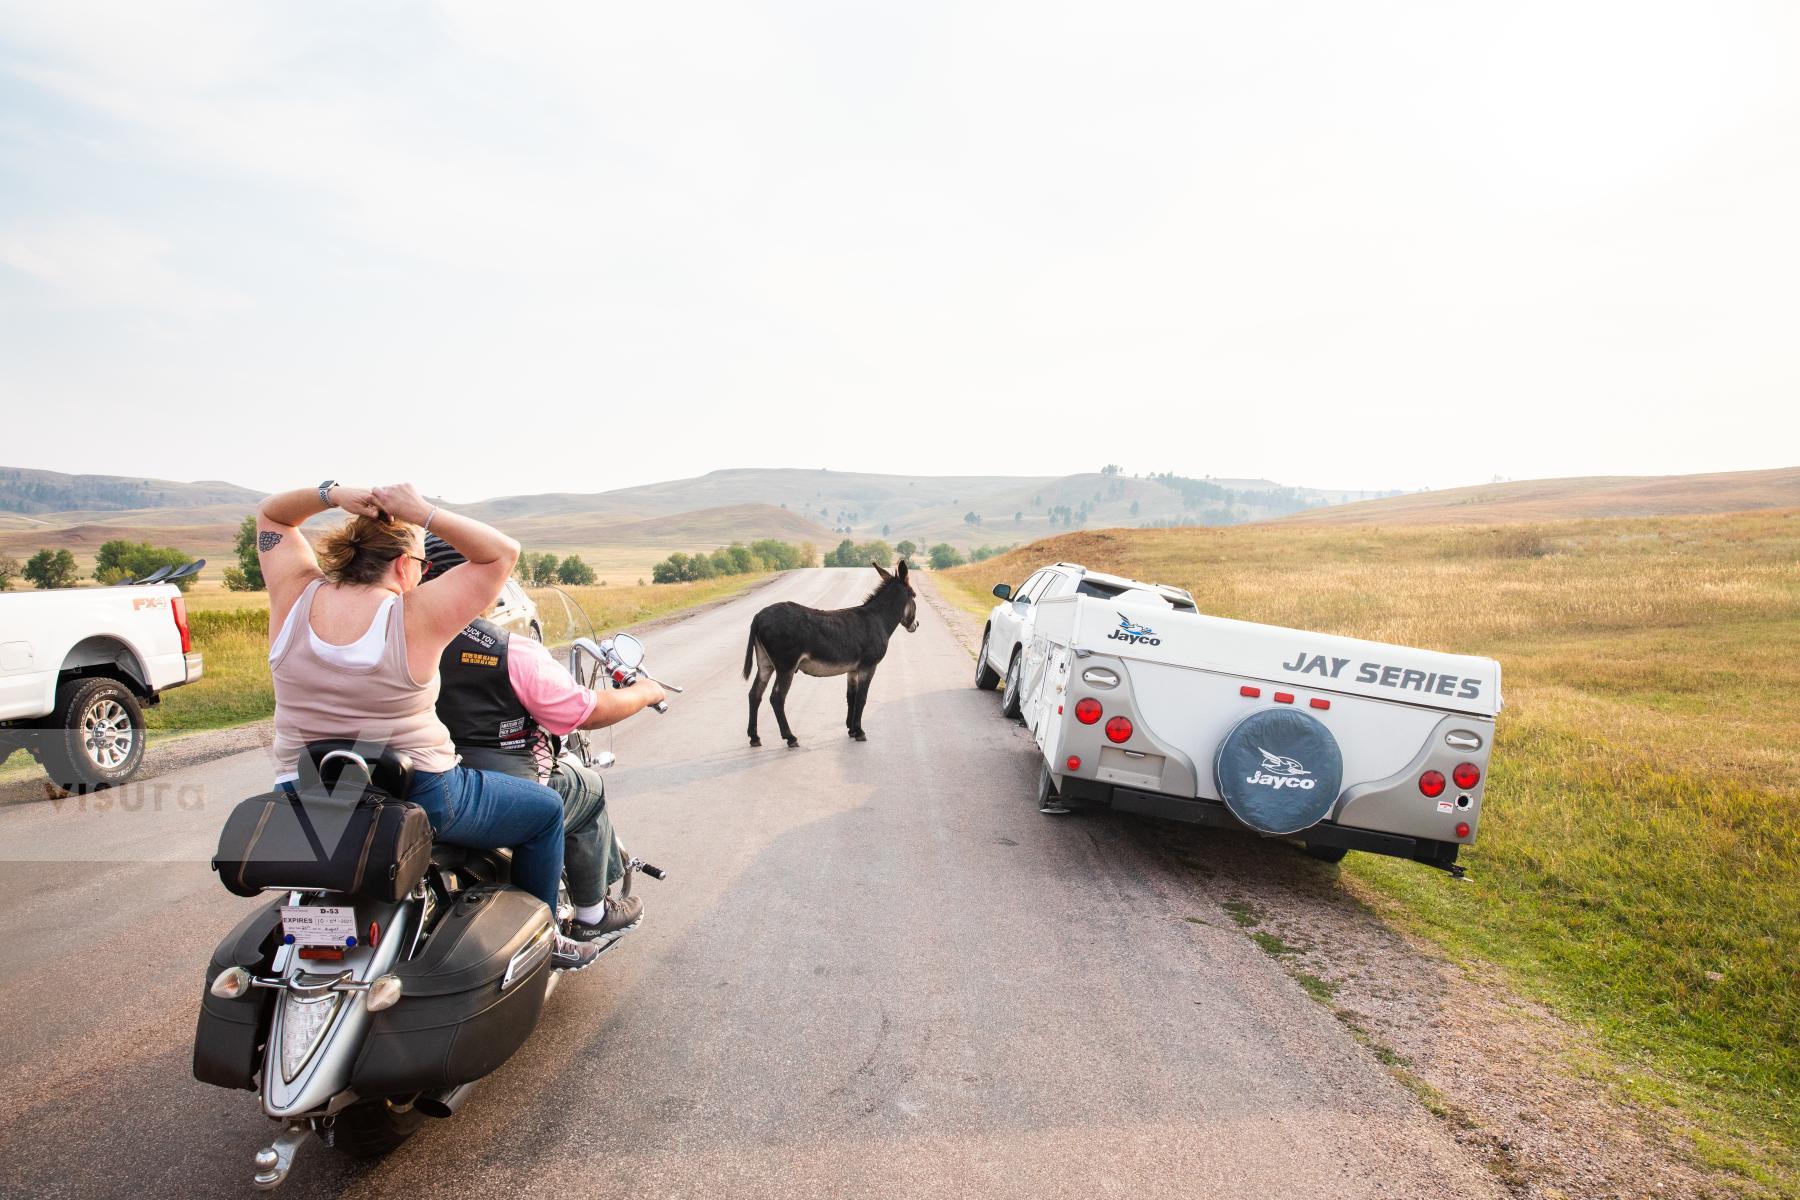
[545, 687]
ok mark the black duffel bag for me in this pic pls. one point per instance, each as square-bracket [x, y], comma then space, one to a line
[344, 829]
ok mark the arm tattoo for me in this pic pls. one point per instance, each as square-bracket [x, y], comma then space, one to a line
[267, 540]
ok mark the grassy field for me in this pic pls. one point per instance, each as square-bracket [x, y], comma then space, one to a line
[1639, 862]
[1598, 496]
[233, 635]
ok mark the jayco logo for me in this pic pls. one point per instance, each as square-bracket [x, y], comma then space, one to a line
[1279, 772]
[1133, 635]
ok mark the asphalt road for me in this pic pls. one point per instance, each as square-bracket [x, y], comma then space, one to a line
[875, 970]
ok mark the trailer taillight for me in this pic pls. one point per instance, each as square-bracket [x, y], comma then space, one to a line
[179, 607]
[1467, 775]
[1119, 729]
[1088, 711]
[1462, 829]
[1074, 762]
[1432, 783]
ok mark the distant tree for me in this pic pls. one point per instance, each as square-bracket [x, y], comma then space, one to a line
[51, 569]
[9, 571]
[120, 559]
[722, 562]
[1134, 508]
[574, 573]
[906, 550]
[1110, 469]
[742, 561]
[971, 518]
[885, 531]
[543, 570]
[665, 571]
[249, 568]
[843, 556]
[700, 567]
[944, 556]
[1018, 518]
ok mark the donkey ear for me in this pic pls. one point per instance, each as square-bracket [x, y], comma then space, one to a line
[883, 570]
[900, 568]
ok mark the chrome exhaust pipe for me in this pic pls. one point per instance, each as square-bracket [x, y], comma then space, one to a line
[445, 1103]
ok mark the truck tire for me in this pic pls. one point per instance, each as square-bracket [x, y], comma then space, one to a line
[94, 738]
[1330, 854]
[985, 676]
[372, 1128]
[1009, 699]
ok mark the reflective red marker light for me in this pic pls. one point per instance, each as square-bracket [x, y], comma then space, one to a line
[1462, 829]
[1088, 711]
[1247, 690]
[1467, 775]
[178, 606]
[1284, 697]
[1319, 702]
[1432, 783]
[1118, 729]
[1074, 762]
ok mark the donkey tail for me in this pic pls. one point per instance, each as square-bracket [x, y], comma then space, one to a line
[750, 652]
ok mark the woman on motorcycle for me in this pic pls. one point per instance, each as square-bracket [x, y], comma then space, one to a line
[354, 647]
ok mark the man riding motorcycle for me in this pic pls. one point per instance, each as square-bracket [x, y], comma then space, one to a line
[506, 701]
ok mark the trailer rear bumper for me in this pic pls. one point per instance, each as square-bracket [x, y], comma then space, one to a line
[1212, 813]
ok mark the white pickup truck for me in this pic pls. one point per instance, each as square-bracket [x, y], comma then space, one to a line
[76, 667]
[1145, 706]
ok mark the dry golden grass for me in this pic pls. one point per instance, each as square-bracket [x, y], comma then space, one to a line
[1639, 861]
[1567, 499]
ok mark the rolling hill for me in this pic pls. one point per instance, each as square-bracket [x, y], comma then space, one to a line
[24, 490]
[1566, 499]
[936, 508]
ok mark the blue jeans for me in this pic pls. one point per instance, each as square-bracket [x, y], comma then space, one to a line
[485, 809]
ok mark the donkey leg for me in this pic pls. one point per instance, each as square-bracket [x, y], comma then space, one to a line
[850, 703]
[856, 706]
[764, 668]
[778, 701]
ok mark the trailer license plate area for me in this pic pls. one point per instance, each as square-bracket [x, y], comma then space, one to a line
[321, 926]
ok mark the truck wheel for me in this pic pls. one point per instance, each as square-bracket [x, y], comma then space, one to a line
[1329, 854]
[95, 737]
[1009, 699]
[372, 1128]
[985, 676]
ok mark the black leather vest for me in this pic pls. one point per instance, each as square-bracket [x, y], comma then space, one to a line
[491, 728]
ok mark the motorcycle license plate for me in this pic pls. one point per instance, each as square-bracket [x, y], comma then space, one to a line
[322, 926]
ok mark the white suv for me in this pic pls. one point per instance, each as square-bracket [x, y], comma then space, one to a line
[1009, 624]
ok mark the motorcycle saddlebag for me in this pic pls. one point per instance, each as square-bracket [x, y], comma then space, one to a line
[358, 841]
[229, 1033]
[459, 1015]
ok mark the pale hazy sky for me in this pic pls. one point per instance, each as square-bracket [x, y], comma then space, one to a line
[503, 248]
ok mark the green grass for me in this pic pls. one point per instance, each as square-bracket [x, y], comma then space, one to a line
[1639, 860]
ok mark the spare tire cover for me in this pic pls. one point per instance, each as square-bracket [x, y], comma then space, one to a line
[1279, 771]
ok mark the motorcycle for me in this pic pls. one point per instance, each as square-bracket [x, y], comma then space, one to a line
[358, 1004]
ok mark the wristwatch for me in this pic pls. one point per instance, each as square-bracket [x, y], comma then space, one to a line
[325, 492]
